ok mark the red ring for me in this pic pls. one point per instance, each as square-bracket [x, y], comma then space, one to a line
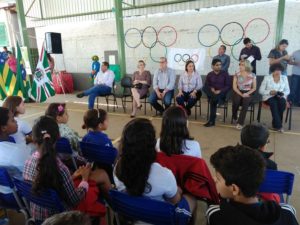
[193, 59]
[263, 21]
[172, 29]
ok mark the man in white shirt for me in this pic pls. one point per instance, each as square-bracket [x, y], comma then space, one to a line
[103, 84]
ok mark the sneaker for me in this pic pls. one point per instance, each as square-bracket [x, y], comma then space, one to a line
[281, 130]
[239, 126]
[234, 122]
[80, 95]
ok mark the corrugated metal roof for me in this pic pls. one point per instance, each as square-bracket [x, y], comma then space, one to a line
[47, 12]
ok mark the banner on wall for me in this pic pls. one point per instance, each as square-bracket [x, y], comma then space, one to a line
[177, 57]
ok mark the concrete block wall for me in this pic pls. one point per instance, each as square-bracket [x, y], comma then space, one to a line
[82, 40]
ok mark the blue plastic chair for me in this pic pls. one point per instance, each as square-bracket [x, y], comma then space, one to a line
[98, 153]
[10, 200]
[63, 146]
[46, 199]
[279, 182]
[143, 209]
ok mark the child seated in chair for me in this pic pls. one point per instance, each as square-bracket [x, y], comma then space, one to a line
[256, 136]
[96, 121]
[45, 170]
[137, 173]
[239, 173]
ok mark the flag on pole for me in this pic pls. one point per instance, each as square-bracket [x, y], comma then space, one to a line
[9, 78]
[23, 84]
[42, 86]
[2, 83]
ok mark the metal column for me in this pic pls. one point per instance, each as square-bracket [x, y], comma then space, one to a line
[23, 29]
[280, 20]
[120, 36]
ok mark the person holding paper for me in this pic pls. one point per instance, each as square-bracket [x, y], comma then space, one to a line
[251, 53]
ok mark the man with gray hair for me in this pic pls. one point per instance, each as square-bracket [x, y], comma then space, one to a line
[163, 86]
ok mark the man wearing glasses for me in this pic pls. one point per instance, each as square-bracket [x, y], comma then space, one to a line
[163, 86]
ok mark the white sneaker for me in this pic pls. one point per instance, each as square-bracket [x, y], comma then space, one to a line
[281, 130]
[239, 127]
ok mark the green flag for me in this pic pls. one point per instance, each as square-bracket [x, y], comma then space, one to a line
[22, 83]
[42, 86]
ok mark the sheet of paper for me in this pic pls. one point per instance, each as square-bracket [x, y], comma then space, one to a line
[250, 58]
[112, 59]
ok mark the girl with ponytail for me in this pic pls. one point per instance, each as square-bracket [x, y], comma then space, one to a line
[45, 170]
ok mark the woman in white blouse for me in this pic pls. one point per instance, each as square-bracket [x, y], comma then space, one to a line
[275, 89]
[189, 87]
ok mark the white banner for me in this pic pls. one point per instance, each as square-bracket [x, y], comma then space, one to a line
[177, 57]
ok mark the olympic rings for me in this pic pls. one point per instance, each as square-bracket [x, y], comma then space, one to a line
[142, 36]
[185, 57]
[172, 43]
[268, 25]
[236, 42]
[156, 37]
[239, 39]
[215, 42]
[138, 44]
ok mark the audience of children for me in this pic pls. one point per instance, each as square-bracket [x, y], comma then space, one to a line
[239, 169]
[45, 170]
[137, 173]
[174, 135]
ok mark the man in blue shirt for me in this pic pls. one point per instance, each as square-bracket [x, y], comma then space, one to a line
[163, 86]
[225, 59]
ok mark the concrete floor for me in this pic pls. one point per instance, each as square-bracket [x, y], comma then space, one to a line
[285, 146]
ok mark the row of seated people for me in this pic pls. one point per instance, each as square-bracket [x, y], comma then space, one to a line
[274, 89]
[143, 166]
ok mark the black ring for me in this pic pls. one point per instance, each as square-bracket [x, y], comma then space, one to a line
[185, 60]
[175, 56]
[238, 40]
[206, 25]
[154, 43]
[140, 37]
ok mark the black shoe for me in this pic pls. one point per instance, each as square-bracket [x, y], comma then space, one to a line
[209, 124]
[158, 114]
[188, 111]
[80, 95]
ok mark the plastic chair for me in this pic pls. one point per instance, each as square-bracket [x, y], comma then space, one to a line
[98, 153]
[10, 200]
[279, 182]
[143, 209]
[46, 199]
[108, 99]
[126, 84]
[63, 146]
